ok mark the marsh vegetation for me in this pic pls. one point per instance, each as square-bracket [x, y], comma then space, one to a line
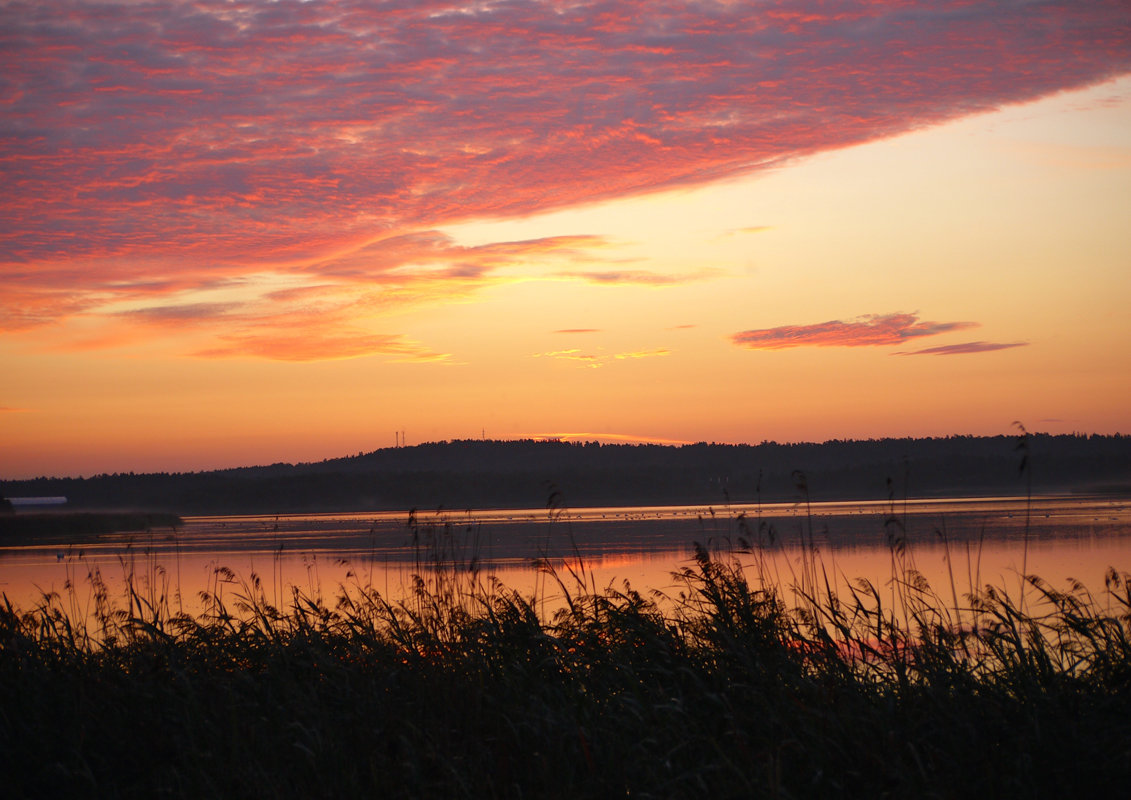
[734, 684]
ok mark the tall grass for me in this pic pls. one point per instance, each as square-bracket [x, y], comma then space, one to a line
[735, 684]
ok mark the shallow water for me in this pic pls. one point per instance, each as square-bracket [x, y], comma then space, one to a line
[958, 544]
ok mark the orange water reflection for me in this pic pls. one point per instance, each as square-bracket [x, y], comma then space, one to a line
[958, 546]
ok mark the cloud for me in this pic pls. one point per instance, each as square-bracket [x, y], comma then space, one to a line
[188, 312]
[350, 290]
[25, 308]
[962, 349]
[431, 254]
[633, 277]
[866, 331]
[746, 231]
[658, 351]
[192, 141]
[597, 360]
[573, 354]
[578, 330]
[308, 346]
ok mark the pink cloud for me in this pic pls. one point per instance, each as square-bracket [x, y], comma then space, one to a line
[378, 260]
[183, 314]
[191, 142]
[317, 346]
[23, 307]
[962, 349]
[867, 331]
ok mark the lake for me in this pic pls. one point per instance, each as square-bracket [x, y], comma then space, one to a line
[958, 544]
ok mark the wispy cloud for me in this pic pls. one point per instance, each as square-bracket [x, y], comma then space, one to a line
[432, 254]
[653, 353]
[578, 330]
[351, 291]
[308, 346]
[191, 141]
[188, 312]
[25, 307]
[573, 354]
[962, 349]
[866, 331]
[747, 231]
[634, 277]
[596, 360]
[573, 351]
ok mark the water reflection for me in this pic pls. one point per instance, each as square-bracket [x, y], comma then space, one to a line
[958, 545]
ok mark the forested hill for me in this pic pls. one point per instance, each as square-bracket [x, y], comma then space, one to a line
[523, 474]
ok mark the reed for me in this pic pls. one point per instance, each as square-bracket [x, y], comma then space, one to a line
[737, 684]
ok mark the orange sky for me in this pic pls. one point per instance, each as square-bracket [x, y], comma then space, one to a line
[238, 233]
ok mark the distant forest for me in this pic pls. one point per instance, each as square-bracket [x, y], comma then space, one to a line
[523, 474]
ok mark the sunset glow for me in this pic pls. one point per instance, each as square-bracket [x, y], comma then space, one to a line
[243, 232]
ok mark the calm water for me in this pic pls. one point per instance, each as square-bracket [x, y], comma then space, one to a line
[958, 544]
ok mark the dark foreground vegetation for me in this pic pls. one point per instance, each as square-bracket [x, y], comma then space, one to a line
[494, 474]
[731, 688]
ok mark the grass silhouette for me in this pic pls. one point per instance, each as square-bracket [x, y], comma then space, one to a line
[736, 684]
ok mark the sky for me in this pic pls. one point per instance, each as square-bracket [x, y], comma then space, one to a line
[239, 232]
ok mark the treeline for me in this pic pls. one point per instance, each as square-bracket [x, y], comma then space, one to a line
[485, 474]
